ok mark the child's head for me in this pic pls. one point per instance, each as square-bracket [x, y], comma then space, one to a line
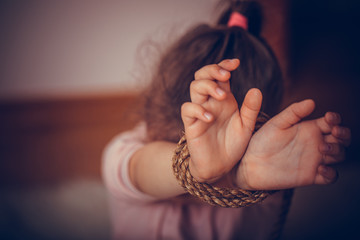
[206, 44]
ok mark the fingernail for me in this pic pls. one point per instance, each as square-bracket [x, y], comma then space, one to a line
[338, 117]
[223, 72]
[340, 131]
[335, 117]
[208, 115]
[219, 91]
[327, 172]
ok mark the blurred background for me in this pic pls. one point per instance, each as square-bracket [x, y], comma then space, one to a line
[70, 77]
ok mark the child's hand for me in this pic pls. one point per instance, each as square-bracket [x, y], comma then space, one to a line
[217, 132]
[287, 153]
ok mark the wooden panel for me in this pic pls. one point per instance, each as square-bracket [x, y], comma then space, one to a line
[47, 141]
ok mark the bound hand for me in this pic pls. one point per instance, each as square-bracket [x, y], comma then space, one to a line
[217, 132]
[287, 153]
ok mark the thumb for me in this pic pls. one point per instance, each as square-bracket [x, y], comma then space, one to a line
[293, 114]
[250, 108]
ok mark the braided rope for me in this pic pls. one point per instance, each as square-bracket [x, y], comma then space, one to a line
[217, 196]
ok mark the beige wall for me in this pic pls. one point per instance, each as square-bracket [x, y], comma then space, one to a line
[72, 47]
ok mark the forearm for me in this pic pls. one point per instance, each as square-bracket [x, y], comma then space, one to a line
[151, 170]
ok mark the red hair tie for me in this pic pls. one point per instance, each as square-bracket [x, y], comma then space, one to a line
[238, 20]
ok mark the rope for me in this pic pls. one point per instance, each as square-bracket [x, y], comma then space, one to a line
[217, 196]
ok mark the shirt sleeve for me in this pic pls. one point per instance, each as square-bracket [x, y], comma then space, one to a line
[115, 164]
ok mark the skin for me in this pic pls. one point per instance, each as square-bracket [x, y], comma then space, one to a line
[293, 153]
[285, 153]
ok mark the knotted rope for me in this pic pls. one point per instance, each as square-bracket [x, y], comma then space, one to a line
[217, 196]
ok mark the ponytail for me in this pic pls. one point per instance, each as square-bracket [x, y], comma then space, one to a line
[249, 9]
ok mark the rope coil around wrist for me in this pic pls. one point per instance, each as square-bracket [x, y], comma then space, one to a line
[217, 196]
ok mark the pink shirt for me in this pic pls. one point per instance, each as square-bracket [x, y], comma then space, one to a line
[136, 215]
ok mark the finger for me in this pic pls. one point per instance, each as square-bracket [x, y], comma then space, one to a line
[332, 118]
[332, 153]
[323, 125]
[229, 64]
[191, 112]
[342, 140]
[342, 134]
[212, 72]
[250, 108]
[217, 71]
[325, 175]
[327, 122]
[201, 90]
[293, 114]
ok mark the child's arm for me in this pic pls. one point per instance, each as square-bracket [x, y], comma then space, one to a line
[151, 166]
[218, 134]
[151, 170]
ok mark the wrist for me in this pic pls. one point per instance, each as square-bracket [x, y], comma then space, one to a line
[217, 196]
[203, 176]
[228, 180]
[241, 177]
